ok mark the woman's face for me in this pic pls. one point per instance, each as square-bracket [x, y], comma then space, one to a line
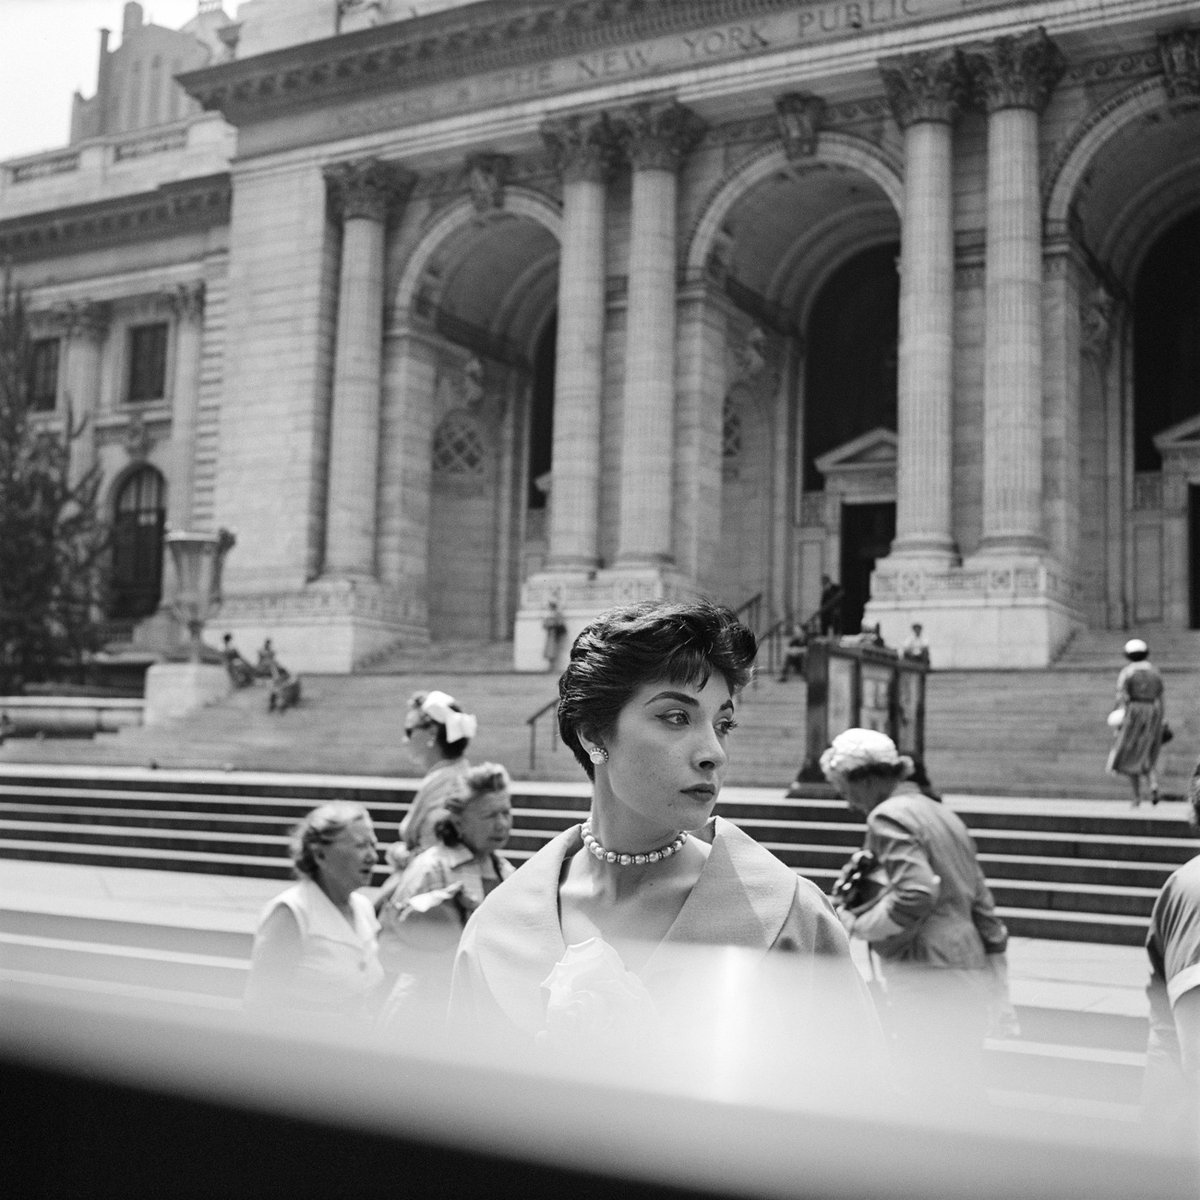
[346, 863]
[667, 754]
[486, 822]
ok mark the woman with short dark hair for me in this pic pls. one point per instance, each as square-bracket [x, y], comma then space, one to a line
[647, 705]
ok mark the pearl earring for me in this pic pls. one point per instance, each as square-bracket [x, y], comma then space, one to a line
[598, 755]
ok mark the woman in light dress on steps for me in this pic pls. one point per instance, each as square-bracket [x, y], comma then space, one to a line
[1139, 734]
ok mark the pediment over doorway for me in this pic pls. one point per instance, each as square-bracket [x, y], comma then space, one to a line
[1183, 437]
[871, 450]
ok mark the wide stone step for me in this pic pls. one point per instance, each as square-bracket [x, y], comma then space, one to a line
[131, 966]
[1111, 928]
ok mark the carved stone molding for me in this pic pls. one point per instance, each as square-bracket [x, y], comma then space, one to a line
[87, 320]
[170, 208]
[186, 300]
[368, 188]
[1015, 72]
[660, 136]
[1179, 53]
[1097, 325]
[487, 175]
[584, 147]
[798, 116]
[137, 439]
[927, 86]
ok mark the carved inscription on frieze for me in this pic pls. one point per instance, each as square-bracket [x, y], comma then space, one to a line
[787, 29]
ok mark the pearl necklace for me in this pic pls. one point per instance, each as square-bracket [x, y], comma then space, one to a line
[630, 860]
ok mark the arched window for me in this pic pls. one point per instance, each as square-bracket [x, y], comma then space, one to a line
[139, 520]
[458, 449]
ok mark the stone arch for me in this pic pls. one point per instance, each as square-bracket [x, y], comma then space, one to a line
[461, 536]
[137, 504]
[837, 149]
[1063, 179]
[518, 201]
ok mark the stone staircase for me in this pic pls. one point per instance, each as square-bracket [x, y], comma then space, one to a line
[1016, 733]
[1073, 872]
[1103, 649]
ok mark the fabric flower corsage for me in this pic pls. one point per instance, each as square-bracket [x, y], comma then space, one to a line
[595, 1003]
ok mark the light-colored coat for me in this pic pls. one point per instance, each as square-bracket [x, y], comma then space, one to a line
[744, 898]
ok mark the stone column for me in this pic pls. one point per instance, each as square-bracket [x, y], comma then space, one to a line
[659, 137]
[1014, 77]
[187, 304]
[86, 326]
[363, 193]
[583, 149]
[924, 91]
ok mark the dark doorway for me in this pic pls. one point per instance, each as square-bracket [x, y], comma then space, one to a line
[138, 526]
[851, 363]
[867, 533]
[1166, 349]
[1194, 557]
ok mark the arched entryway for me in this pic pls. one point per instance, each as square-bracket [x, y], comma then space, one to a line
[474, 418]
[1128, 191]
[806, 251]
[138, 525]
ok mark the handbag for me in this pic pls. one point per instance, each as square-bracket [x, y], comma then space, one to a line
[1167, 733]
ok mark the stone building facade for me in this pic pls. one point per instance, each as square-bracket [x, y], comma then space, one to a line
[454, 314]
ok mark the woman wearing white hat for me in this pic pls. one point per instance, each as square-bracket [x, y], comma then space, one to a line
[446, 732]
[932, 921]
[1139, 728]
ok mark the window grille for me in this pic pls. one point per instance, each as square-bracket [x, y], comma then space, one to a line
[458, 449]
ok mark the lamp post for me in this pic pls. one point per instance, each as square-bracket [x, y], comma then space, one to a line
[198, 559]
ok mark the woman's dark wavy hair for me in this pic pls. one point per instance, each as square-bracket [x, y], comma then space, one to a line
[679, 642]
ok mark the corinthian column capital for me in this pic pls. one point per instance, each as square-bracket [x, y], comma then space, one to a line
[1015, 72]
[368, 188]
[1179, 53]
[927, 86]
[660, 135]
[584, 146]
[87, 320]
[186, 300]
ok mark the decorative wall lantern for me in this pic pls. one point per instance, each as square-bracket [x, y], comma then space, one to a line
[198, 559]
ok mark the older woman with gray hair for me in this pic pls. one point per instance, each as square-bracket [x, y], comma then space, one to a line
[315, 950]
[423, 917]
[930, 917]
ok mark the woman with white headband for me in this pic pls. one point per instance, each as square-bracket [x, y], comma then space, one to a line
[931, 918]
[444, 732]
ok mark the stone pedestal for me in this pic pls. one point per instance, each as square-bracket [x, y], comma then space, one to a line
[175, 689]
[991, 612]
[332, 626]
[580, 597]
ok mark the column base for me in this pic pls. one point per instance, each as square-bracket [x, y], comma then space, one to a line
[329, 626]
[580, 596]
[992, 611]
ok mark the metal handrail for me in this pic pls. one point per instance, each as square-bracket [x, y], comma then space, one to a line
[771, 639]
[532, 721]
[749, 611]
